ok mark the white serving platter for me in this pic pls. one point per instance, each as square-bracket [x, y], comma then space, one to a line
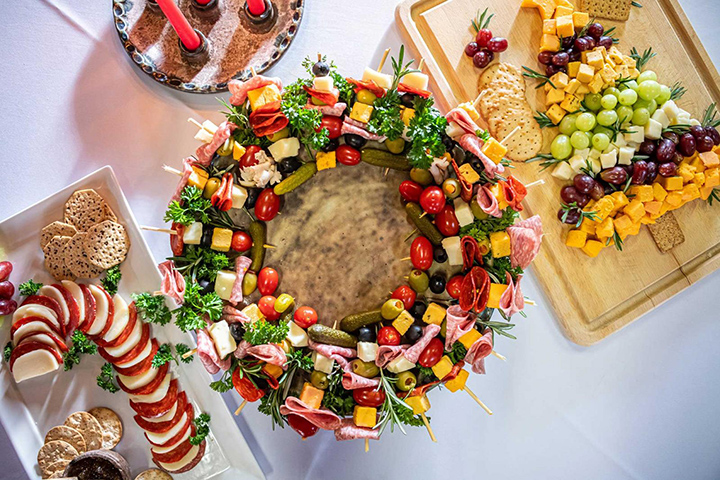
[29, 409]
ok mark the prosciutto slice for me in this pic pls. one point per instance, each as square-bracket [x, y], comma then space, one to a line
[268, 119]
[347, 430]
[242, 264]
[525, 240]
[320, 417]
[173, 283]
[478, 351]
[459, 322]
[330, 110]
[462, 118]
[429, 332]
[471, 143]
[208, 355]
[205, 153]
[487, 202]
[388, 353]
[512, 300]
[270, 353]
[328, 98]
[358, 128]
[239, 90]
[187, 164]
[339, 354]
[438, 169]
[232, 315]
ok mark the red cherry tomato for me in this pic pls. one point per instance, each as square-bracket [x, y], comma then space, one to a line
[432, 353]
[454, 286]
[447, 222]
[421, 253]
[405, 294]
[268, 280]
[432, 200]
[347, 155]
[302, 426]
[369, 396]
[266, 305]
[267, 205]
[304, 317]
[333, 124]
[241, 241]
[410, 191]
[248, 159]
[388, 336]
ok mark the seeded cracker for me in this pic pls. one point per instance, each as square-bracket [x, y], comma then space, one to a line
[106, 244]
[69, 435]
[57, 469]
[612, 9]
[89, 427]
[53, 452]
[111, 426]
[153, 474]
[84, 209]
[55, 258]
[56, 228]
[666, 232]
[76, 259]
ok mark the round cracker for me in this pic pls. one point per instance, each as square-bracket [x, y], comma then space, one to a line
[76, 258]
[153, 474]
[106, 244]
[89, 427]
[111, 426]
[53, 229]
[53, 452]
[84, 209]
[55, 259]
[56, 470]
[69, 435]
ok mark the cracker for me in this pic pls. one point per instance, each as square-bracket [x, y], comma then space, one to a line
[612, 9]
[109, 214]
[76, 259]
[501, 73]
[55, 258]
[153, 474]
[56, 228]
[666, 232]
[56, 470]
[111, 426]
[53, 452]
[69, 435]
[106, 244]
[84, 209]
[89, 427]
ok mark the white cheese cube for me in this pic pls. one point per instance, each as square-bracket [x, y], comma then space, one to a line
[653, 129]
[193, 233]
[595, 165]
[324, 84]
[608, 160]
[584, 153]
[452, 248]
[367, 351]
[670, 109]
[204, 136]
[224, 342]
[453, 130]
[296, 335]
[463, 213]
[239, 196]
[619, 141]
[253, 312]
[400, 364]
[626, 155]
[635, 134]
[224, 282]
[660, 117]
[563, 171]
[284, 148]
[694, 121]
[683, 118]
[322, 363]
[594, 153]
[382, 79]
[415, 80]
[577, 163]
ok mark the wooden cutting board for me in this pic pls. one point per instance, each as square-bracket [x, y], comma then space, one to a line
[592, 297]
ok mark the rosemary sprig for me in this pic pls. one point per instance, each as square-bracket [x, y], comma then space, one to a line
[679, 128]
[636, 4]
[400, 67]
[617, 129]
[568, 207]
[530, 73]
[499, 328]
[677, 91]
[710, 117]
[394, 409]
[481, 20]
[714, 196]
[543, 120]
[609, 33]
[546, 161]
[641, 59]
[588, 169]
[618, 242]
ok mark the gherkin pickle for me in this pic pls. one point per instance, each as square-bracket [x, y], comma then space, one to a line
[319, 379]
[365, 369]
[419, 281]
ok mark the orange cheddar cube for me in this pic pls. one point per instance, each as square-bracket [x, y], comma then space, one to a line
[712, 177]
[635, 210]
[311, 396]
[690, 192]
[564, 25]
[620, 198]
[710, 159]
[272, 370]
[443, 367]
[705, 192]
[653, 207]
[622, 223]
[592, 248]
[606, 228]
[472, 336]
[588, 226]
[549, 26]
[576, 239]
[699, 179]
[573, 68]
[496, 291]
[458, 383]
[674, 199]
[659, 193]
[365, 416]
[549, 43]
[580, 19]
[564, 11]
[647, 219]
[686, 171]
[671, 183]
[585, 73]
[418, 403]
[644, 193]
[494, 150]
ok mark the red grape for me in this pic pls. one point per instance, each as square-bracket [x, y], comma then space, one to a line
[713, 134]
[567, 42]
[667, 169]
[640, 172]
[483, 58]
[545, 57]
[687, 145]
[590, 41]
[595, 30]
[597, 191]
[551, 70]
[497, 44]
[651, 173]
[672, 136]
[615, 175]
[575, 54]
[573, 215]
[5, 270]
[7, 307]
[471, 49]
[7, 289]
[677, 158]
[561, 59]
[581, 44]
[570, 194]
[606, 42]
[483, 37]
[705, 144]
[697, 131]
[584, 183]
[647, 147]
[665, 150]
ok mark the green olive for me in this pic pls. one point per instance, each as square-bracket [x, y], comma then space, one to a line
[319, 379]
[211, 186]
[423, 177]
[406, 381]
[395, 146]
[365, 369]
[443, 328]
[284, 133]
[418, 281]
[391, 309]
[317, 102]
[476, 210]
[283, 302]
[366, 97]
[249, 283]
[226, 148]
[451, 187]
[484, 246]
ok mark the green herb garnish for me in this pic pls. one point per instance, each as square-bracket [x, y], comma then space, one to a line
[7, 351]
[543, 120]
[394, 411]
[164, 355]
[426, 129]
[710, 117]
[199, 263]
[106, 379]
[263, 332]
[80, 346]
[224, 384]
[112, 279]
[152, 308]
[192, 207]
[496, 268]
[29, 288]
[677, 91]
[567, 208]
[530, 73]
[303, 122]
[202, 429]
[190, 316]
[480, 230]
[481, 20]
[641, 59]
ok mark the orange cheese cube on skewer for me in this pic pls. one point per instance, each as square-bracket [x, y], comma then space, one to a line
[473, 335]
[496, 291]
[458, 383]
[365, 416]
[418, 403]
[311, 396]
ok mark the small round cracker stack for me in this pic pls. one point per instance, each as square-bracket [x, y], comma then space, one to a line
[76, 259]
[89, 427]
[111, 426]
[106, 244]
[69, 435]
[55, 258]
[56, 470]
[52, 453]
[84, 209]
[56, 229]
[153, 474]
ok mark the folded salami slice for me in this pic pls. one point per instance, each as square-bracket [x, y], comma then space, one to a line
[222, 198]
[187, 164]
[208, 355]
[320, 417]
[268, 119]
[330, 110]
[332, 351]
[349, 431]
[388, 353]
[512, 300]
[525, 241]
[459, 322]
[462, 118]
[471, 143]
[328, 98]
[475, 290]
[232, 315]
[475, 356]
[377, 90]
[403, 88]
[242, 264]
[488, 202]
[173, 283]
[429, 332]
[352, 127]
[271, 353]
[353, 381]
[204, 153]
[239, 90]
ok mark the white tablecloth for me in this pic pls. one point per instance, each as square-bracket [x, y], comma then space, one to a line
[643, 404]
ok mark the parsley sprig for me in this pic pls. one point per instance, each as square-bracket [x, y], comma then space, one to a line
[198, 263]
[152, 308]
[112, 279]
[496, 268]
[7, 351]
[386, 120]
[263, 332]
[29, 288]
[80, 346]
[164, 355]
[303, 122]
[196, 305]
[224, 383]
[426, 129]
[202, 429]
[481, 229]
[192, 207]
[106, 379]
[270, 403]
[336, 398]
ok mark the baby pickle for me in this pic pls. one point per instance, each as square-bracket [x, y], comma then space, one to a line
[258, 233]
[301, 175]
[382, 158]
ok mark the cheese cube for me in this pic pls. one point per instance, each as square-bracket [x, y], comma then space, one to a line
[620, 142]
[659, 193]
[361, 112]
[224, 283]
[496, 291]
[602, 207]
[470, 109]
[573, 69]
[564, 25]
[572, 86]
[500, 244]
[555, 113]
[198, 178]
[563, 11]
[554, 95]
[193, 233]
[238, 151]
[311, 396]
[595, 59]
[580, 19]
[583, 152]
[635, 133]
[577, 163]
[203, 135]
[690, 192]
[239, 196]
[712, 177]
[576, 239]
[560, 80]
[403, 322]
[297, 336]
[434, 314]
[494, 150]
[549, 43]
[452, 248]
[582, 90]
[454, 130]
[619, 199]
[592, 248]
[365, 417]
[653, 129]
[416, 80]
[382, 79]
[326, 160]
[609, 160]
[596, 84]
[571, 103]
[463, 213]
[469, 173]
[563, 171]
[605, 228]
[472, 336]
[626, 155]
[671, 183]
[264, 95]
[253, 312]
[686, 171]
[407, 115]
[653, 207]
[324, 84]
[635, 210]
[224, 342]
[595, 166]
[221, 239]
[548, 26]
[588, 226]
[705, 191]
[418, 403]
[643, 193]
[458, 383]
[321, 363]
[674, 199]
[443, 367]
[670, 109]
[284, 148]
[696, 162]
[367, 351]
[400, 364]
[585, 73]
[709, 158]
[660, 117]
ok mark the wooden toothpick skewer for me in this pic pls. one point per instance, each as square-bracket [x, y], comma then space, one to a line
[421, 64]
[411, 235]
[536, 182]
[319, 57]
[172, 170]
[480, 95]
[429, 429]
[387, 170]
[423, 214]
[157, 292]
[367, 445]
[479, 402]
[507, 137]
[501, 357]
[405, 259]
[161, 230]
[196, 123]
[190, 353]
[530, 302]
[239, 409]
[253, 72]
[382, 60]
[267, 245]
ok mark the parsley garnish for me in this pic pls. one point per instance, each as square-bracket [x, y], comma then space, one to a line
[192, 207]
[165, 355]
[244, 134]
[7, 351]
[426, 129]
[299, 360]
[112, 279]
[195, 306]
[152, 308]
[202, 429]
[106, 379]
[80, 346]
[336, 398]
[224, 384]
[262, 332]
[29, 288]
[496, 268]
[200, 263]
[481, 229]
[303, 122]
[386, 119]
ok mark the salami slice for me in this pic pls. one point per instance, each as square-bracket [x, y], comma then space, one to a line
[270, 353]
[336, 110]
[150, 387]
[320, 417]
[466, 188]
[268, 119]
[512, 300]
[477, 352]
[176, 453]
[208, 355]
[204, 153]
[525, 240]
[242, 264]
[52, 305]
[403, 88]
[475, 290]
[429, 332]
[187, 164]
[173, 283]
[459, 322]
[388, 353]
[349, 431]
[377, 90]
[143, 366]
[328, 98]
[462, 118]
[352, 128]
[488, 202]
[189, 466]
[471, 143]
[239, 90]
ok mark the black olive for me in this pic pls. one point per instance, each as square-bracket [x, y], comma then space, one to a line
[366, 334]
[477, 165]
[355, 141]
[207, 235]
[440, 255]
[486, 315]
[408, 100]
[332, 145]
[253, 194]
[289, 165]
[417, 310]
[413, 333]
[237, 331]
[321, 69]
[437, 283]
[206, 285]
[448, 143]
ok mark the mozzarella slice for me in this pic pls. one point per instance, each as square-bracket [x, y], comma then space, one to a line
[163, 437]
[55, 294]
[224, 342]
[166, 417]
[296, 335]
[34, 364]
[142, 356]
[34, 310]
[41, 338]
[161, 450]
[138, 381]
[121, 317]
[30, 328]
[184, 461]
[101, 310]
[77, 294]
[129, 343]
[155, 396]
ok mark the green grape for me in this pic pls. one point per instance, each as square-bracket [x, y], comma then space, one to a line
[641, 103]
[585, 121]
[579, 140]
[601, 141]
[624, 113]
[664, 94]
[608, 101]
[592, 101]
[647, 75]
[567, 125]
[612, 91]
[649, 90]
[628, 97]
[607, 117]
[602, 130]
[652, 107]
[632, 85]
[640, 116]
[561, 147]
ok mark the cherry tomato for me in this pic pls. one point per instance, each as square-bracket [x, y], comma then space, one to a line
[369, 396]
[405, 294]
[241, 241]
[333, 124]
[388, 336]
[302, 426]
[347, 155]
[248, 159]
[421, 253]
[267, 205]
[454, 286]
[410, 191]
[268, 279]
[432, 353]
[432, 199]
[447, 222]
[305, 316]
[266, 305]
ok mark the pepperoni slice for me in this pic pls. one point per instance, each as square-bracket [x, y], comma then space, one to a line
[377, 90]
[129, 327]
[177, 245]
[475, 290]
[190, 465]
[72, 308]
[160, 407]
[403, 88]
[161, 427]
[328, 98]
[190, 412]
[176, 453]
[89, 309]
[150, 387]
[26, 320]
[60, 344]
[134, 352]
[52, 305]
[469, 247]
[268, 119]
[141, 367]
[31, 346]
